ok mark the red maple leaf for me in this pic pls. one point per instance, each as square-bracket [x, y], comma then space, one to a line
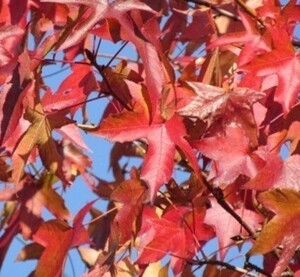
[58, 238]
[276, 173]
[212, 103]
[11, 106]
[32, 196]
[9, 38]
[99, 10]
[230, 153]
[162, 137]
[75, 162]
[284, 62]
[131, 195]
[38, 134]
[178, 232]
[227, 227]
[73, 91]
[119, 10]
[286, 17]
[253, 40]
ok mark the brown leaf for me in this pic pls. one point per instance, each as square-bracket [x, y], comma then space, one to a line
[30, 251]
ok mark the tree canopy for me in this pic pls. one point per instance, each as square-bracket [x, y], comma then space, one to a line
[211, 95]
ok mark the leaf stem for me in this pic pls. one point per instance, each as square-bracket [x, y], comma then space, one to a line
[117, 53]
[100, 216]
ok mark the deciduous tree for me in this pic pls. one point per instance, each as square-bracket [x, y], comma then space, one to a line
[212, 96]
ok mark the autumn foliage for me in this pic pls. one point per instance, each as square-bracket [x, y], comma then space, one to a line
[211, 97]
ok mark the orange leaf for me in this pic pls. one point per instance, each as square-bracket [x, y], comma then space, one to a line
[39, 134]
[283, 228]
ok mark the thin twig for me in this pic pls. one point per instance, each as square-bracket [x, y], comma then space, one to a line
[56, 72]
[221, 201]
[98, 46]
[232, 267]
[51, 61]
[256, 268]
[100, 216]
[216, 9]
[100, 69]
[109, 56]
[117, 53]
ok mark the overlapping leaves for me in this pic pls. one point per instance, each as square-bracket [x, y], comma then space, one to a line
[225, 116]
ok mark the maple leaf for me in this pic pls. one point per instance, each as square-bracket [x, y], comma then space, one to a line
[285, 17]
[118, 10]
[211, 103]
[8, 235]
[175, 233]
[284, 63]
[283, 228]
[44, 195]
[99, 230]
[30, 198]
[116, 78]
[39, 134]
[253, 41]
[13, 93]
[101, 9]
[34, 195]
[130, 194]
[11, 106]
[71, 133]
[75, 162]
[162, 138]
[6, 49]
[230, 153]
[227, 227]
[72, 92]
[9, 14]
[57, 237]
[276, 173]
[190, 32]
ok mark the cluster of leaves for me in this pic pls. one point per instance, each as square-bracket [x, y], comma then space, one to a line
[213, 94]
